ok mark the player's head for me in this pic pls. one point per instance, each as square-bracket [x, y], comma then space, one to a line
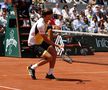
[47, 14]
[47, 11]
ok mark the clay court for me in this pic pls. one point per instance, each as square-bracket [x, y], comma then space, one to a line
[85, 73]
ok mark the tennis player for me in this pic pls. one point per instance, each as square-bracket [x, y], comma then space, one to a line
[42, 46]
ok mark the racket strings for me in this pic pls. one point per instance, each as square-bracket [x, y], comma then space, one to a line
[67, 59]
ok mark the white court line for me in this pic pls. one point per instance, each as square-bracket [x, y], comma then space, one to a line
[10, 88]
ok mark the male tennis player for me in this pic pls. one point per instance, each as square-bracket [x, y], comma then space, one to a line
[41, 45]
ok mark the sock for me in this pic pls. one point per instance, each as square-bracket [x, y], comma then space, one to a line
[50, 71]
[34, 66]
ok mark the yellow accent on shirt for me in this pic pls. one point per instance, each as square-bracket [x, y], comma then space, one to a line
[38, 39]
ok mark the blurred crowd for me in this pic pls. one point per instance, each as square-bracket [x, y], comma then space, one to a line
[101, 2]
[92, 19]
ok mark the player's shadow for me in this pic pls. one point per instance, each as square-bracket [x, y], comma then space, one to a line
[78, 81]
[97, 63]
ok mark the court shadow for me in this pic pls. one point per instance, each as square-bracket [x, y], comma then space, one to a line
[78, 81]
[97, 63]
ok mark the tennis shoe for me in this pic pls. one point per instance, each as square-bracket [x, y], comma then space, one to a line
[31, 72]
[50, 76]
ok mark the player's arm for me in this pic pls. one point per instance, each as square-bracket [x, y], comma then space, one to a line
[48, 40]
[42, 32]
[49, 32]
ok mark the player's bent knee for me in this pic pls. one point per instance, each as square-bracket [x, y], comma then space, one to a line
[49, 58]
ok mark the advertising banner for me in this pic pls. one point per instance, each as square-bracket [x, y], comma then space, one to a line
[12, 47]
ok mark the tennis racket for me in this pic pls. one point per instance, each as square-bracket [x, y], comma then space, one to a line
[66, 58]
[61, 52]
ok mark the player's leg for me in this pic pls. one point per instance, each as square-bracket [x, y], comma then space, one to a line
[52, 51]
[41, 52]
[49, 56]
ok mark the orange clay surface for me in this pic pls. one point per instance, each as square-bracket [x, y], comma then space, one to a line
[85, 73]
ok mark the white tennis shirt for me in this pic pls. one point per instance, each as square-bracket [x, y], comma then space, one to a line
[36, 38]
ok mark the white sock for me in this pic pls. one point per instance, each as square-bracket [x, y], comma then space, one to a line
[50, 71]
[34, 66]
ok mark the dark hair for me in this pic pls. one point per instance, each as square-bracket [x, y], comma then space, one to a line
[65, 6]
[46, 11]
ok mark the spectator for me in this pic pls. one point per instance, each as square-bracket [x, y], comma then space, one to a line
[89, 12]
[77, 24]
[86, 24]
[98, 15]
[32, 7]
[65, 27]
[59, 21]
[101, 26]
[34, 13]
[73, 12]
[97, 12]
[88, 9]
[3, 9]
[85, 21]
[56, 23]
[106, 25]
[82, 16]
[3, 19]
[93, 28]
[57, 10]
[96, 8]
[103, 10]
[65, 13]
[34, 16]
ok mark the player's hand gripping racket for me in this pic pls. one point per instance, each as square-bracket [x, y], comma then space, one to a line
[61, 51]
